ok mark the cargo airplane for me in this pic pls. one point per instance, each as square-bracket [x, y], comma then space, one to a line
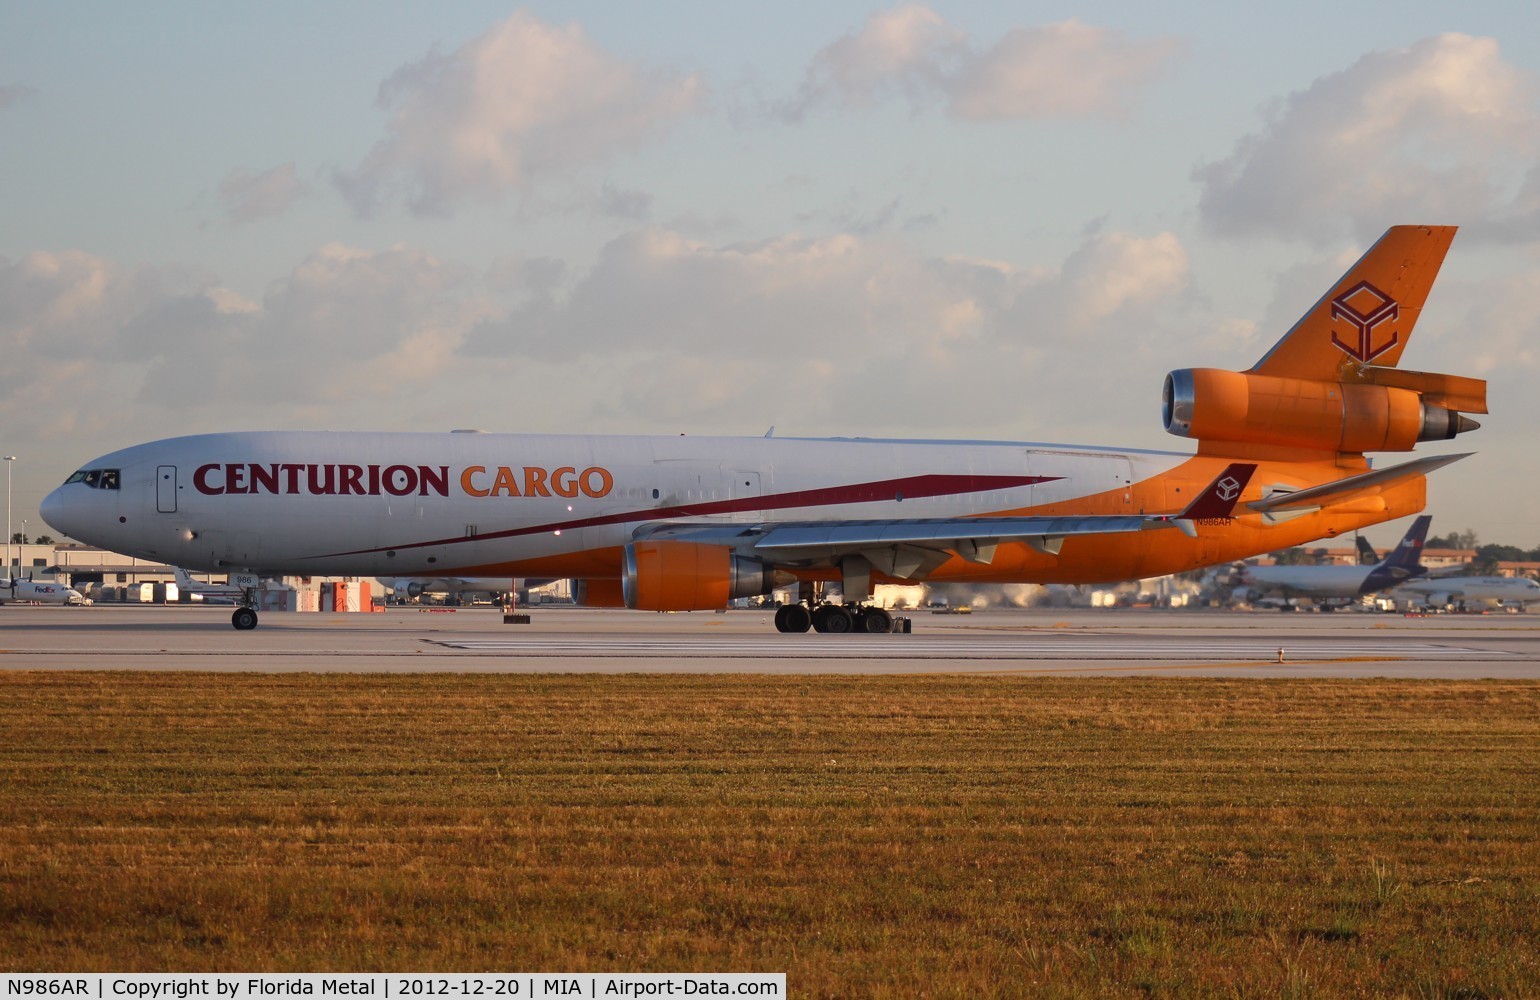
[1339, 584]
[412, 588]
[30, 591]
[210, 593]
[690, 523]
[1465, 591]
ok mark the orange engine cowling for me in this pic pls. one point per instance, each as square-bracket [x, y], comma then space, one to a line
[689, 576]
[598, 594]
[1215, 405]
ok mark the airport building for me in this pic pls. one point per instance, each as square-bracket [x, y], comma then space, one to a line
[113, 577]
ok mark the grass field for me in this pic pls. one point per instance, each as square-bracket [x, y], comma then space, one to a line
[887, 836]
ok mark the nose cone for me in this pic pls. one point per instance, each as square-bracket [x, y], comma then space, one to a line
[56, 511]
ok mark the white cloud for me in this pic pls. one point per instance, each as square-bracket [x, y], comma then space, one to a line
[247, 196]
[1439, 132]
[906, 51]
[526, 99]
[1115, 272]
[91, 345]
[1068, 69]
[832, 335]
[850, 333]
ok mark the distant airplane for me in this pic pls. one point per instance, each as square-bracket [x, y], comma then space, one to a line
[412, 588]
[1366, 554]
[1464, 591]
[40, 593]
[1340, 584]
[675, 523]
[208, 593]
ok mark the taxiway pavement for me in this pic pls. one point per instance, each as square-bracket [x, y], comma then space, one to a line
[565, 640]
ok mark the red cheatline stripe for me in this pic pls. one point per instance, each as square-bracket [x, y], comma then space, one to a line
[911, 488]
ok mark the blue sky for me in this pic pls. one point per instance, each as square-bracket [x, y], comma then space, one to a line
[972, 220]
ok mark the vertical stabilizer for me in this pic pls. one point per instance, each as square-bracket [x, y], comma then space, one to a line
[1404, 562]
[1367, 317]
[1408, 552]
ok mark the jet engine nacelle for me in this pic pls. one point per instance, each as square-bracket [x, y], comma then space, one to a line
[404, 589]
[689, 576]
[598, 594]
[1215, 405]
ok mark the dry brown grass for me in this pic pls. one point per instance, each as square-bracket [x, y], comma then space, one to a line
[888, 836]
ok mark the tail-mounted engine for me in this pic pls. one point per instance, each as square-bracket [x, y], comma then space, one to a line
[689, 576]
[1389, 410]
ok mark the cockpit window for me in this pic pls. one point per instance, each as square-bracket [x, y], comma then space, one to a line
[97, 479]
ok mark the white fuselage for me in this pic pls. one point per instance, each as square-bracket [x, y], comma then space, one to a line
[423, 504]
[1319, 582]
[1441, 591]
[40, 593]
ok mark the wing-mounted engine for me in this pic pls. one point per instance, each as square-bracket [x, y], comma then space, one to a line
[600, 593]
[1379, 410]
[690, 576]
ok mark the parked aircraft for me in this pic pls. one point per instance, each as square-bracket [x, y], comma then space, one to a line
[411, 588]
[1466, 591]
[208, 593]
[40, 593]
[689, 523]
[1331, 585]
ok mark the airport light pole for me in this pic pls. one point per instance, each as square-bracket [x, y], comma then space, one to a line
[9, 574]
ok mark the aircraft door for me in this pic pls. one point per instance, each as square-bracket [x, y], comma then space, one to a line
[742, 484]
[165, 489]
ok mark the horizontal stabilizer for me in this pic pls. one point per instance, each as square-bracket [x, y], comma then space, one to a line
[1366, 484]
[1452, 392]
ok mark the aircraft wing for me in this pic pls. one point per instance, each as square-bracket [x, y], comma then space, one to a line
[1364, 484]
[909, 547]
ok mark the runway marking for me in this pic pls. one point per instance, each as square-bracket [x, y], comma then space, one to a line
[978, 647]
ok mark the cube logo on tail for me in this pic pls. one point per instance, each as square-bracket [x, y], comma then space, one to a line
[1218, 500]
[1365, 308]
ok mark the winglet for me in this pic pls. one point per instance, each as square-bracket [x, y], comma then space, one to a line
[1221, 496]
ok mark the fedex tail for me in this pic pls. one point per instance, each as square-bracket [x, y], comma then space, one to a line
[1330, 387]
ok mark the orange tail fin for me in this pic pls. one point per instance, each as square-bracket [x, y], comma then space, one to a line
[1368, 315]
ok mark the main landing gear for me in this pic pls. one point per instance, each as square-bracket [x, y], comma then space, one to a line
[835, 618]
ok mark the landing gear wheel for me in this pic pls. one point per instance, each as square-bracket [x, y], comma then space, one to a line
[792, 618]
[833, 618]
[875, 621]
[244, 619]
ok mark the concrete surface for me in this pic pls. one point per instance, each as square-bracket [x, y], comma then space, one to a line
[1049, 641]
